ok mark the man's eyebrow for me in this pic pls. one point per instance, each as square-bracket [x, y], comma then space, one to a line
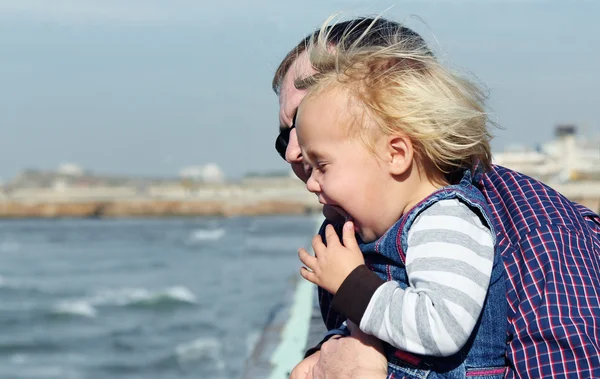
[307, 82]
[283, 127]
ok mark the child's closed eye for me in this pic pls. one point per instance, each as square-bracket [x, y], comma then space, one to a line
[321, 166]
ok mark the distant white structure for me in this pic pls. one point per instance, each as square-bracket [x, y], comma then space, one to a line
[209, 173]
[566, 158]
[70, 169]
[60, 185]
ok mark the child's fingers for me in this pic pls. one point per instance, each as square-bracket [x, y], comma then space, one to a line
[318, 245]
[308, 260]
[308, 275]
[349, 236]
[331, 237]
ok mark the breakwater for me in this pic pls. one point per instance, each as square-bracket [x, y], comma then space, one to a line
[288, 197]
[152, 208]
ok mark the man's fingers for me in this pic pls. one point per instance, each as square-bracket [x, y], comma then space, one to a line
[308, 260]
[349, 236]
[367, 339]
[317, 371]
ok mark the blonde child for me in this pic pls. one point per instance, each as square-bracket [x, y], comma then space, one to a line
[391, 139]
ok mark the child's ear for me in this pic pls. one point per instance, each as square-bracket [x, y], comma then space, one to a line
[400, 154]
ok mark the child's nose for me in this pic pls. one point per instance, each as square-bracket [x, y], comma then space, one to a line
[312, 185]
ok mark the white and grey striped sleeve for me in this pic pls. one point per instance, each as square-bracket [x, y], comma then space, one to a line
[449, 263]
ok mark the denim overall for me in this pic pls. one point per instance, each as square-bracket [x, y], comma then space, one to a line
[483, 356]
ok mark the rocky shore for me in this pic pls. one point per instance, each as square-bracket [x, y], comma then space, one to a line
[261, 197]
[151, 208]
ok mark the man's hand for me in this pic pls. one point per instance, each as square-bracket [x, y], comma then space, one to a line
[357, 357]
[332, 263]
[305, 367]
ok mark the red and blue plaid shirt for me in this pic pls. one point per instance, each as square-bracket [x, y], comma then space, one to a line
[551, 251]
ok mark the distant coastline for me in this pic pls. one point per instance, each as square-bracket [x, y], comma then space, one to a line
[227, 201]
[569, 163]
[151, 208]
[35, 194]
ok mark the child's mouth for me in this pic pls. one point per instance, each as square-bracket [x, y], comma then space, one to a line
[347, 217]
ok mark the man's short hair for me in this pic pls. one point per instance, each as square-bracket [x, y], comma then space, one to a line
[371, 32]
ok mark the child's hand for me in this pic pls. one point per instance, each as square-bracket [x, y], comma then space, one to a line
[332, 263]
[304, 369]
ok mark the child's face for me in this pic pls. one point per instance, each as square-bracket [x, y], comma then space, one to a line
[345, 173]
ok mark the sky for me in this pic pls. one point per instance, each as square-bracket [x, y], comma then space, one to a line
[146, 87]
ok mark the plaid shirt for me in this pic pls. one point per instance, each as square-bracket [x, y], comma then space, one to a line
[551, 250]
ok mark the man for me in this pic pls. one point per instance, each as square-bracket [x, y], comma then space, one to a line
[549, 245]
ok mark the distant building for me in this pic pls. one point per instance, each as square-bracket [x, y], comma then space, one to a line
[60, 185]
[209, 173]
[566, 158]
[70, 169]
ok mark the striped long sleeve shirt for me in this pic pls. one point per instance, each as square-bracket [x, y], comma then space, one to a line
[448, 262]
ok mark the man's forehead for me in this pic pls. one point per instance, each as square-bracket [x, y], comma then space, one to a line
[289, 96]
[300, 68]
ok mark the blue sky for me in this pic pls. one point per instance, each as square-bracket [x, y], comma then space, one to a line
[149, 86]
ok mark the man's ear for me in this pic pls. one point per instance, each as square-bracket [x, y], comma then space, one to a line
[400, 154]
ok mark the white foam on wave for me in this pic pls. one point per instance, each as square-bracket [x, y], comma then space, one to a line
[21, 285]
[202, 235]
[200, 348]
[87, 307]
[80, 308]
[132, 296]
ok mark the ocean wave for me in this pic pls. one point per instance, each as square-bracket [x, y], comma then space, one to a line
[204, 235]
[18, 348]
[48, 372]
[144, 297]
[200, 357]
[278, 244]
[198, 350]
[18, 359]
[77, 308]
[12, 285]
[9, 247]
[252, 340]
[125, 297]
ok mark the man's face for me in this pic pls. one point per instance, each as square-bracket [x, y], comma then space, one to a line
[289, 100]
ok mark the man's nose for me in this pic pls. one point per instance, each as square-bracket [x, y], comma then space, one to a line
[293, 154]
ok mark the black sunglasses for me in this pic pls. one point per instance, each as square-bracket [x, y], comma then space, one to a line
[283, 139]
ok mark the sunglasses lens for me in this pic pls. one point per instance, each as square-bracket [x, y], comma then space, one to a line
[282, 141]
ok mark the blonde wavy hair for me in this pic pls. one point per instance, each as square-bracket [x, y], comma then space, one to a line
[402, 88]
